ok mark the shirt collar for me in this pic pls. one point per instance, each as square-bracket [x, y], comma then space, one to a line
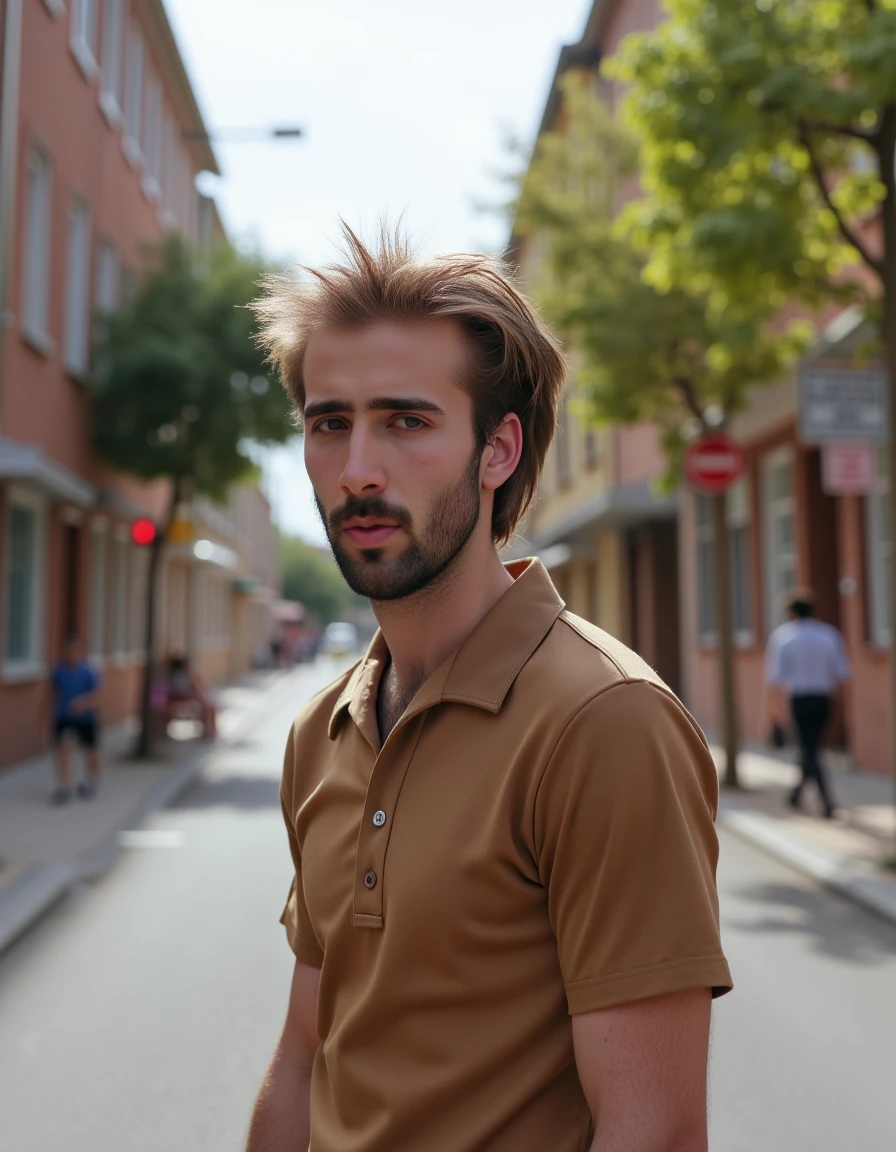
[485, 666]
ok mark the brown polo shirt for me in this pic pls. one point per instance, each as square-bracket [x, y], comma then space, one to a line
[534, 839]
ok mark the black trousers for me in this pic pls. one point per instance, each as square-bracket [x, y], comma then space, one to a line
[810, 715]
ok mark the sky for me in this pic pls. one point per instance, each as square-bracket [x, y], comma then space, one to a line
[405, 107]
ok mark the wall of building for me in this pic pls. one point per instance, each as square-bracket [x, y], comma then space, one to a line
[830, 554]
[133, 171]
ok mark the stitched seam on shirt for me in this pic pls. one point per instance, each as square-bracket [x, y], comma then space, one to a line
[593, 981]
[588, 640]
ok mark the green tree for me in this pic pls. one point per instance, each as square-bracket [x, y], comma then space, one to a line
[769, 156]
[179, 389]
[311, 576]
[666, 353]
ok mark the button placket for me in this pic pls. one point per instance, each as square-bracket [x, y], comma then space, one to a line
[389, 771]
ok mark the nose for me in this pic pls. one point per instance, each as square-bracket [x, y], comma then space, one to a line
[362, 474]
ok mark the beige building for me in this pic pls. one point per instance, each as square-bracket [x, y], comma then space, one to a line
[609, 541]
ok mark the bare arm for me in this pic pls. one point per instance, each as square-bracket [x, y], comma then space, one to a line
[85, 702]
[643, 1069]
[281, 1120]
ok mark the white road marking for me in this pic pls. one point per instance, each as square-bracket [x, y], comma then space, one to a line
[151, 838]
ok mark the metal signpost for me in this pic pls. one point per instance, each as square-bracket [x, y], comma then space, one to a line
[712, 464]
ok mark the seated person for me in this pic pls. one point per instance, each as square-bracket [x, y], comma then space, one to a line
[186, 687]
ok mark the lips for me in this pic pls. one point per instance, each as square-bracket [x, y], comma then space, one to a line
[367, 532]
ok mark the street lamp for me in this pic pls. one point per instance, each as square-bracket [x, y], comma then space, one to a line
[242, 135]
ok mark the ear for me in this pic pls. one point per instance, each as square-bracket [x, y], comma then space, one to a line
[502, 453]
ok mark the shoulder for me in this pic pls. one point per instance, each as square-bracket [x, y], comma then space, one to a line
[830, 633]
[581, 681]
[578, 661]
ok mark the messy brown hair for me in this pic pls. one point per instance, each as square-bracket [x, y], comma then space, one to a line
[517, 364]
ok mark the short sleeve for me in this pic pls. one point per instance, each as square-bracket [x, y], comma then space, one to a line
[295, 918]
[627, 851]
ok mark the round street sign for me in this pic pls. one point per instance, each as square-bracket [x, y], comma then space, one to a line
[713, 463]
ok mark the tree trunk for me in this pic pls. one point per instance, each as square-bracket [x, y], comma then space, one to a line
[724, 644]
[143, 749]
[888, 173]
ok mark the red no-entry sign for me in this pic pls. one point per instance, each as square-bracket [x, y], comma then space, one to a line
[713, 463]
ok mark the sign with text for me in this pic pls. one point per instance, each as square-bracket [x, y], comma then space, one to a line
[843, 405]
[848, 469]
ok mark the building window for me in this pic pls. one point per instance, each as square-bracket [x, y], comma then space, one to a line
[592, 449]
[85, 33]
[107, 277]
[705, 569]
[133, 97]
[23, 583]
[561, 440]
[138, 589]
[98, 562]
[113, 60]
[152, 139]
[77, 306]
[120, 602]
[217, 612]
[739, 537]
[738, 518]
[780, 535]
[38, 217]
[880, 554]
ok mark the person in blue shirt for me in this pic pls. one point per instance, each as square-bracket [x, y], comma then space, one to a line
[75, 685]
[806, 665]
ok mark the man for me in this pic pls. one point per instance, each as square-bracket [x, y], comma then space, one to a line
[806, 666]
[504, 911]
[75, 687]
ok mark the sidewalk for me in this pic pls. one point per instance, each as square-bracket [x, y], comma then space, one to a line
[843, 854]
[45, 851]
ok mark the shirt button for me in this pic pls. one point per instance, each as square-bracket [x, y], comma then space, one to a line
[379, 818]
[370, 879]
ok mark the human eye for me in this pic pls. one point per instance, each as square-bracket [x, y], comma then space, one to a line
[329, 424]
[409, 423]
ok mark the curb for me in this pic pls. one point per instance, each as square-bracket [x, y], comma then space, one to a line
[832, 872]
[44, 885]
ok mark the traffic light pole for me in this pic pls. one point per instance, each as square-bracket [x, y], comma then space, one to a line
[143, 750]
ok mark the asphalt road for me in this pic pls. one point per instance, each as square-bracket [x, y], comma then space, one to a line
[139, 1015]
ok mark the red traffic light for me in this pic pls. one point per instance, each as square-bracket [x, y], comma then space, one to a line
[143, 531]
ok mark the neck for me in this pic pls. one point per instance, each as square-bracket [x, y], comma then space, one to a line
[423, 630]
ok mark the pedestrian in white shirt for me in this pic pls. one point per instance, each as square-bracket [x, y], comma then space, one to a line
[806, 664]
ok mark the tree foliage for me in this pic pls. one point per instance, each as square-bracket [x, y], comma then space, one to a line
[179, 391]
[311, 577]
[179, 388]
[666, 352]
[768, 144]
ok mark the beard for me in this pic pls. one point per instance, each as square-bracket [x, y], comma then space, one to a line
[452, 518]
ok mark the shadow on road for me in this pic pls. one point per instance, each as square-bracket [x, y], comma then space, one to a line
[834, 927]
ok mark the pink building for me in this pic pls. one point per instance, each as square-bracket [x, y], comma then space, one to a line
[100, 144]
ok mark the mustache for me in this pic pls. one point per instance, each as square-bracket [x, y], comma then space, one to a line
[372, 506]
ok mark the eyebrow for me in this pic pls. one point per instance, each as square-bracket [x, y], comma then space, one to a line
[377, 404]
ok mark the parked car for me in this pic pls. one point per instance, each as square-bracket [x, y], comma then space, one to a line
[340, 639]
